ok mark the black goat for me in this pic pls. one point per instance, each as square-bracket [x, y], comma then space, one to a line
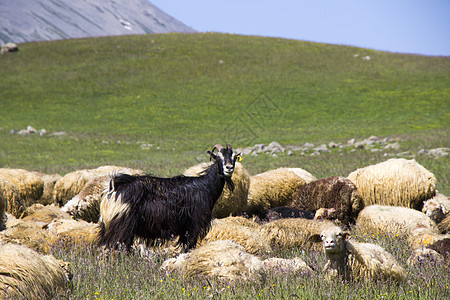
[163, 208]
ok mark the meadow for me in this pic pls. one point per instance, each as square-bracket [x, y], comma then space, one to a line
[158, 102]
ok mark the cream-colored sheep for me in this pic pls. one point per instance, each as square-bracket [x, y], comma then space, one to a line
[236, 230]
[397, 182]
[44, 214]
[49, 183]
[220, 259]
[29, 185]
[26, 274]
[72, 231]
[282, 266]
[229, 203]
[423, 237]
[29, 234]
[354, 261]
[10, 194]
[394, 220]
[275, 188]
[424, 255]
[2, 212]
[296, 232]
[86, 205]
[72, 183]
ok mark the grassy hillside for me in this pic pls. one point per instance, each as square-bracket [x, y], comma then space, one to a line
[158, 102]
[184, 93]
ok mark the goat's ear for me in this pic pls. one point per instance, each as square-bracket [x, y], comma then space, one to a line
[212, 155]
[239, 157]
[315, 238]
[346, 234]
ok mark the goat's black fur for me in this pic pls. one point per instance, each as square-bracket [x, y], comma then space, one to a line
[163, 208]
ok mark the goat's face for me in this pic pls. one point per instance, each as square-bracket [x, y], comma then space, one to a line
[226, 157]
[333, 240]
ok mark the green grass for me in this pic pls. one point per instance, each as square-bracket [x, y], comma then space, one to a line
[185, 93]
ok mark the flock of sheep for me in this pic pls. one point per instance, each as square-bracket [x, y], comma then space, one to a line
[275, 210]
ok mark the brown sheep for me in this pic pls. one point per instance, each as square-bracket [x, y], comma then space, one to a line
[26, 274]
[275, 188]
[30, 186]
[332, 192]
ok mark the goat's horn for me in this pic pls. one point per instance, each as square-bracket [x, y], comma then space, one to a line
[218, 147]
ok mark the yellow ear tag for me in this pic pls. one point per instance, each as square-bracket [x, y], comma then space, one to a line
[239, 158]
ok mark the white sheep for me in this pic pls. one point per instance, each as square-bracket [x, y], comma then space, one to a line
[10, 195]
[394, 220]
[230, 202]
[72, 183]
[352, 260]
[86, 204]
[222, 259]
[241, 231]
[29, 185]
[397, 181]
[294, 232]
[275, 188]
[26, 274]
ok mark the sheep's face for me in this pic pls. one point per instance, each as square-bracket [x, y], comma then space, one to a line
[434, 210]
[333, 240]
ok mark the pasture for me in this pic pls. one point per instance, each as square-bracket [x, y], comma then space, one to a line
[158, 102]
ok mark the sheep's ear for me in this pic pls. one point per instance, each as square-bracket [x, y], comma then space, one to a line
[315, 238]
[212, 155]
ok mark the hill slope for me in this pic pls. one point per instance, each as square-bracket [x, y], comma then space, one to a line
[38, 20]
[131, 100]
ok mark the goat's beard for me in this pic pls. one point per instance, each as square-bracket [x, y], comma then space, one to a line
[229, 183]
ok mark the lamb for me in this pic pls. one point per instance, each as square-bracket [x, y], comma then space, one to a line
[29, 185]
[72, 183]
[161, 208]
[26, 274]
[275, 188]
[86, 204]
[229, 203]
[394, 220]
[396, 182]
[332, 192]
[220, 259]
[351, 260]
[288, 233]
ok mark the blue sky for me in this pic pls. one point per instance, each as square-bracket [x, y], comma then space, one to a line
[405, 26]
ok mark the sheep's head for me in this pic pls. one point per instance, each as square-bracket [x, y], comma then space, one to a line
[434, 210]
[333, 239]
